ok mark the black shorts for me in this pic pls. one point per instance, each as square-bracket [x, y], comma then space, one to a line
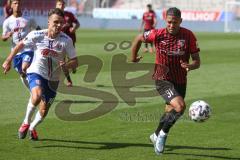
[169, 90]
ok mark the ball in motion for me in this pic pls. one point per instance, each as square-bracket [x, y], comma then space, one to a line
[199, 111]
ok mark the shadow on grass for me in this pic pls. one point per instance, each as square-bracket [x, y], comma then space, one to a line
[100, 101]
[203, 156]
[103, 145]
[112, 145]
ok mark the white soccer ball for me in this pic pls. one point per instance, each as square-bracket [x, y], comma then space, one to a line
[199, 111]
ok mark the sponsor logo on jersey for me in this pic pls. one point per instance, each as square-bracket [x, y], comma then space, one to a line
[49, 53]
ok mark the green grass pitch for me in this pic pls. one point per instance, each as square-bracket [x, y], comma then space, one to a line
[124, 132]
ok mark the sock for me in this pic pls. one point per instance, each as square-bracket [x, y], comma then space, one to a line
[162, 133]
[29, 113]
[170, 119]
[146, 45]
[160, 125]
[38, 119]
[69, 78]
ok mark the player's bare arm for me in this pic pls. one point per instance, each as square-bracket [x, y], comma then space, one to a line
[141, 26]
[7, 63]
[154, 22]
[195, 62]
[70, 64]
[137, 42]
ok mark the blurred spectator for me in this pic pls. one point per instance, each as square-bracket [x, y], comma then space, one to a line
[72, 7]
[7, 9]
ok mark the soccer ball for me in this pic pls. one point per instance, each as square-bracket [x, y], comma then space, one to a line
[199, 111]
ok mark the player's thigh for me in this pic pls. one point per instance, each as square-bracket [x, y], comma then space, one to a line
[23, 58]
[27, 57]
[166, 90]
[35, 85]
[172, 94]
[49, 92]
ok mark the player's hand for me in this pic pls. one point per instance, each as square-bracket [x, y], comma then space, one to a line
[6, 66]
[9, 34]
[65, 26]
[72, 30]
[185, 65]
[63, 67]
[137, 59]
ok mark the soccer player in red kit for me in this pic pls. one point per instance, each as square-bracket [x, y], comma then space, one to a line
[174, 47]
[70, 26]
[149, 21]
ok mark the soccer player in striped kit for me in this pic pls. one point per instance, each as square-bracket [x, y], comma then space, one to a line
[149, 21]
[174, 47]
[71, 24]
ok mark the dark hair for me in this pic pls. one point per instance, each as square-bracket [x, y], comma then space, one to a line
[174, 12]
[61, 1]
[149, 6]
[13, 1]
[56, 11]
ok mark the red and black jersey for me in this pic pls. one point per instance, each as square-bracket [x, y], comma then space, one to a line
[69, 19]
[170, 50]
[148, 18]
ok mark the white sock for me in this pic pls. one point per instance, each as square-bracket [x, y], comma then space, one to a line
[38, 119]
[162, 134]
[29, 113]
[25, 82]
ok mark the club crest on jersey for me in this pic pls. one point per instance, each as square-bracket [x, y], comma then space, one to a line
[146, 34]
[59, 46]
[181, 43]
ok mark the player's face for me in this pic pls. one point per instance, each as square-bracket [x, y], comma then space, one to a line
[173, 24]
[55, 23]
[16, 6]
[60, 5]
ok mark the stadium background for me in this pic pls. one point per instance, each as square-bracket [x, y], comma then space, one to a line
[198, 15]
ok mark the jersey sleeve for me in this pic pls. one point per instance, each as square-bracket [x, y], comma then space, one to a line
[149, 36]
[5, 28]
[193, 44]
[70, 50]
[74, 19]
[29, 40]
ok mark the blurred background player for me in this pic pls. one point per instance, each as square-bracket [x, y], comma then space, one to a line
[71, 24]
[7, 9]
[149, 21]
[50, 48]
[174, 47]
[17, 27]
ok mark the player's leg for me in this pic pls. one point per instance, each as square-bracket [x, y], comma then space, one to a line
[48, 96]
[67, 75]
[23, 61]
[146, 47]
[69, 80]
[151, 48]
[36, 93]
[175, 107]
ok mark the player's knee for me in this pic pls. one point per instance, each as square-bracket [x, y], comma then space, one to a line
[36, 98]
[43, 112]
[180, 107]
